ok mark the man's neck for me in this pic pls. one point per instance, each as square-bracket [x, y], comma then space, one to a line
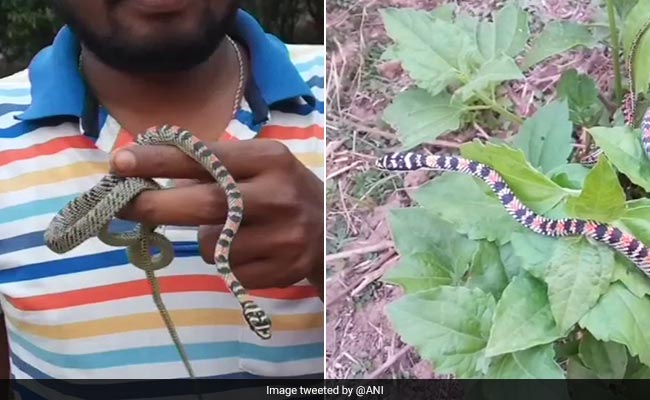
[141, 100]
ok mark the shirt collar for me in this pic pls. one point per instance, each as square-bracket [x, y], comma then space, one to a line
[57, 88]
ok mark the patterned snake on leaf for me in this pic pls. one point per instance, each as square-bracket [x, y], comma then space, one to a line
[90, 214]
[623, 242]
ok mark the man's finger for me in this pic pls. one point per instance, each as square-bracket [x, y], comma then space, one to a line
[244, 159]
[252, 243]
[265, 274]
[204, 204]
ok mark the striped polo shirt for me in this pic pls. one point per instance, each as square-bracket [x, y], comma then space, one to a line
[88, 313]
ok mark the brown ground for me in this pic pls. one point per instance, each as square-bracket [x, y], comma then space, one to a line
[360, 341]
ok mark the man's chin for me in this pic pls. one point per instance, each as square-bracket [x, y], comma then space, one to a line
[154, 60]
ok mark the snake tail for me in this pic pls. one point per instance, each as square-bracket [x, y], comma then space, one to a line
[613, 237]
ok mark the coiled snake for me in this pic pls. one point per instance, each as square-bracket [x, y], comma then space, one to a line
[623, 242]
[89, 215]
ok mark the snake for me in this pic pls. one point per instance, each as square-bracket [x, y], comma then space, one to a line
[624, 243]
[89, 215]
[629, 102]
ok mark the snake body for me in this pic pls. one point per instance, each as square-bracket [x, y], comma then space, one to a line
[90, 214]
[629, 101]
[621, 241]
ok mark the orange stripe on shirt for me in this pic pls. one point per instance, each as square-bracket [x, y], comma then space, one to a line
[168, 284]
[45, 149]
[290, 132]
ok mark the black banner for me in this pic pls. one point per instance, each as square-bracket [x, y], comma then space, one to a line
[299, 389]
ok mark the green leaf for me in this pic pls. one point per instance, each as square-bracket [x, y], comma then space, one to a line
[636, 219]
[469, 205]
[634, 22]
[629, 275]
[637, 370]
[602, 198]
[622, 317]
[581, 93]
[607, 359]
[579, 273]
[448, 326]
[420, 271]
[577, 370]
[534, 189]
[558, 37]
[534, 363]
[419, 117]
[534, 251]
[511, 263]
[487, 272]
[432, 62]
[417, 232]
[508, 33]
[494, 71]
[623, 7]
[570, 176]
[522, 318]
[623, 148]
[445, 12]
[545, 138]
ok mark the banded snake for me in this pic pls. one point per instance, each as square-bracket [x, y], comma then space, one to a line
[89, 215]
[623, 242]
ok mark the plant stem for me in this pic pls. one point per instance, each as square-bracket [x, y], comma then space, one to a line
[500, 109]
[613, 31]
[478, 108]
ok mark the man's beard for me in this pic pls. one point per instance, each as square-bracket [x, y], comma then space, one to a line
[175, 54]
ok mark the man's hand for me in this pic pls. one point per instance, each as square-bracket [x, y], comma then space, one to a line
[281, 237]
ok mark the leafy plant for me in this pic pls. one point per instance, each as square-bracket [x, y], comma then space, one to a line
[484, 296]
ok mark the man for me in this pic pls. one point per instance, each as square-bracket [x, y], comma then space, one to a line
[117, 68]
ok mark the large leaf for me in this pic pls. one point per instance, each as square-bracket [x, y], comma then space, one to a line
[637, 370]
[494, 71]
[579, 273]
[558, 37]
[511, 263]
[469, 205]
[622, 317]
[636, 219]
[419, 117]
[545, 138]
[602, 198]
[534, 189]
[607, 359]
[432, 62]
[506, 35]
[522, 318]
[577, 370]
[623, 7]
[581, 93]
[534, 363]
[570, 176]
[448, 326]
[634, 23]
[635, 280]
[487, 271]
[622, 146]
[534, 251]
[420, 271]
[433, 242]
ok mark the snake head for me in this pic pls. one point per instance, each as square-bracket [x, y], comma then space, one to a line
[257, 320]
